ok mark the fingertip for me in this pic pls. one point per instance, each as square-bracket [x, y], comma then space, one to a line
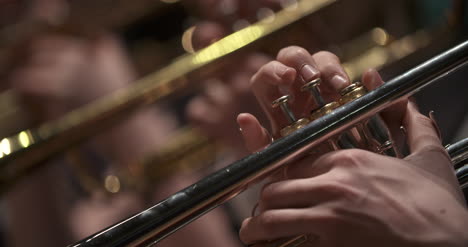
[206, 33]
[254, 135]
[421, 131]
[289, 74]
[372, 79]
[243, 231]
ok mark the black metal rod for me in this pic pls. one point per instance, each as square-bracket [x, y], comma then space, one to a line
[155, 223]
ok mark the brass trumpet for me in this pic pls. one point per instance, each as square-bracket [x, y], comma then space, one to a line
[154, 224]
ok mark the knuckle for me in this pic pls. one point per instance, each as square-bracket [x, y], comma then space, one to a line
[326, 55]
[268, 221]
[267, 193]
[266, 72]
[339, 189]
[292, 52]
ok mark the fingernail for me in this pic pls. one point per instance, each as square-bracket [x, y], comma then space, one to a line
[338, 82]
[308, 72]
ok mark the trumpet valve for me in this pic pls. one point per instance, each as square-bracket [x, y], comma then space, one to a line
[313, 87]
[294, 124]
[354, 91]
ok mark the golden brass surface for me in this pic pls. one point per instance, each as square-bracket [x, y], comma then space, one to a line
[352, 92]
[324, 110]
[294, 126]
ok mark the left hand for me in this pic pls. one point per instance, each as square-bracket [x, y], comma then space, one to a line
[358, 198]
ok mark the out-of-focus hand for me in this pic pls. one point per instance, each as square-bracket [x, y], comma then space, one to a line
[214, 111]
[61, 73]
[227, 93]
[226, 12]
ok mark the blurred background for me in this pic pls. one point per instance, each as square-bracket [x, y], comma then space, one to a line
[57, 56]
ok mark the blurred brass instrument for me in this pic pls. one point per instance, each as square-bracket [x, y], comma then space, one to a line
[334, 121]
[23, 151]
[52, 138]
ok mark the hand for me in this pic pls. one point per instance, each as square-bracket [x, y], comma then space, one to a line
[226, 12]
[358, 198]
[294, 67]
[352, 197]
[214, 111]
[61, 73]
[227, 93]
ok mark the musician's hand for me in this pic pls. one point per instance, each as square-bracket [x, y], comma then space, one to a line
[225, 94]
[61, 73]
[358, 198]
[292, 69]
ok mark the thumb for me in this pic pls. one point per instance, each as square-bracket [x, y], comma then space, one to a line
[422, 133]
[427, 151]
[255, 136]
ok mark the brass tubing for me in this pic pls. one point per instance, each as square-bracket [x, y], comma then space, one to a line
[156, 223]
[459, 152]
[23, 152]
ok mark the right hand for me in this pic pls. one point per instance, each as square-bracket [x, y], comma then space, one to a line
[294, 67]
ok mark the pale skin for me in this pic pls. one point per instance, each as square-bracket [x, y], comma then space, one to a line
[353, 197]
[226, 93]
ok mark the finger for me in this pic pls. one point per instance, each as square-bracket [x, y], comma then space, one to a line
[301, 193]
[421, 132]
[281, 223]
[217, 93]
[425, 145]
[240, 79]
[37, 82]
[306, 69]
[334, 77]
[201, 112]
[306, 168]
[207, 33]
[393, 115]
[255, 136]
[267, 85]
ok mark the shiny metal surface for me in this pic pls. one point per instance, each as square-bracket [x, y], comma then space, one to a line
[155, 223]
[459, 152]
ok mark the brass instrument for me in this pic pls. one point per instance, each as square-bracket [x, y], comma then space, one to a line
[22, 152]
[154, 224]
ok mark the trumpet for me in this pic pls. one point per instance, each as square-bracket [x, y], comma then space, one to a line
[154, 224]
